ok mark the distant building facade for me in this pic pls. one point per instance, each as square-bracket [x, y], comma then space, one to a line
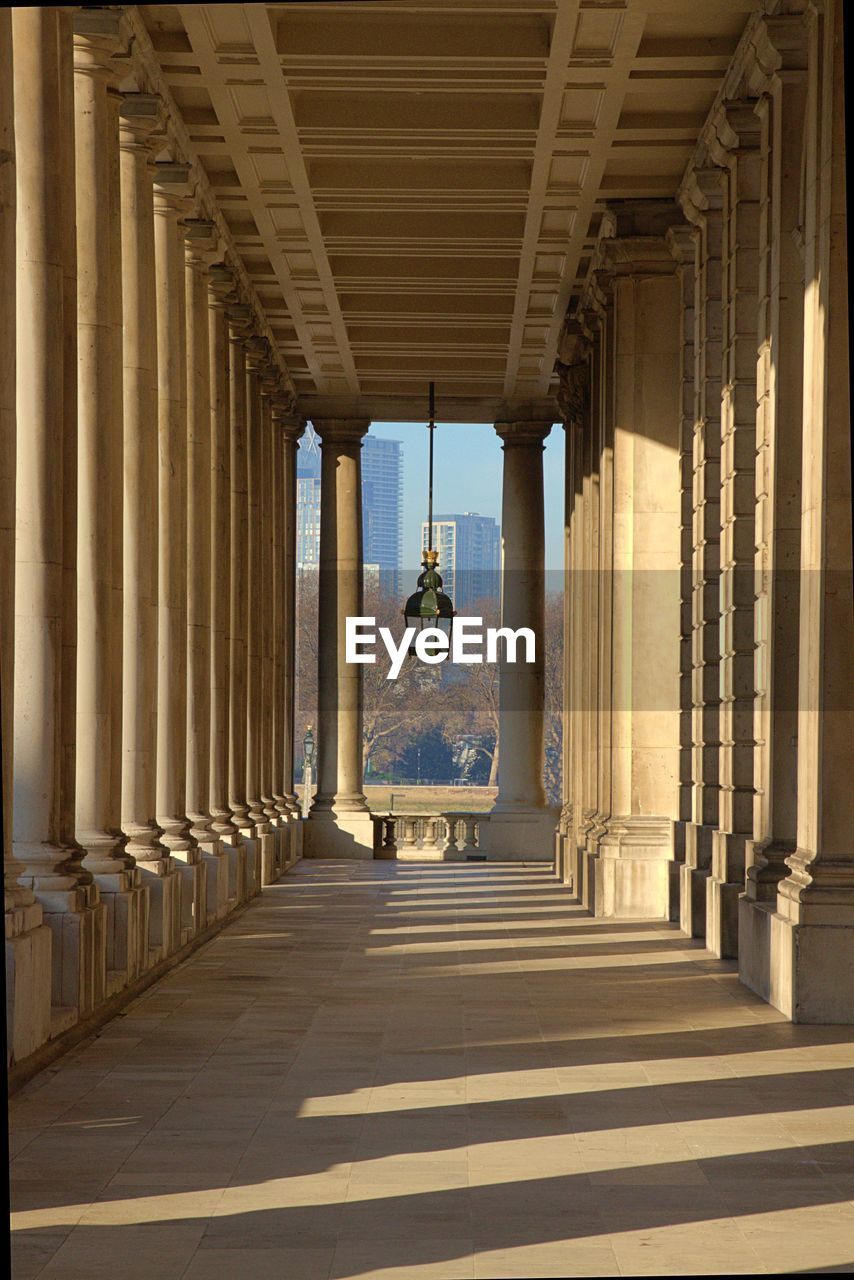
[469, 556]
[382, 505]
[308, 500]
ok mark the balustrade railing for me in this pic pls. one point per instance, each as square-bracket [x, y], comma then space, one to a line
[443, 837]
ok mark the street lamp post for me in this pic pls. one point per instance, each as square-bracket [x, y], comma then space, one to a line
[308, 761]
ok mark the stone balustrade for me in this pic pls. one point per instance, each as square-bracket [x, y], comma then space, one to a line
[434, 837]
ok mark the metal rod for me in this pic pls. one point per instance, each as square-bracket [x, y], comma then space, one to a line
[431, 428]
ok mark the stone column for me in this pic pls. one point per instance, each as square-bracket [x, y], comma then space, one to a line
[632, 871]
[520, 826]
[285, 424]
[577, 863]
[599, 571]
[45, 472]
[573, 402]
[245, 855]
[28, 940]
[277, 763]
[269, 383]
[291, 427]
[340, 824]
[68, 220]
[98, 38]
[575, 398]
[256, 359]
[169, 201]
[701, 200]
[200, 247]
[782, 110]
[140, 120]
[811, 935]
[736, 146]
[683, 246]
[589, 827]
[220, 292]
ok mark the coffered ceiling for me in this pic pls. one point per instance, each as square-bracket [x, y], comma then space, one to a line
[415, 185]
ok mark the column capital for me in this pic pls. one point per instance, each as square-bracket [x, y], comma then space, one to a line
[271, 378]
[172, 188]
[780, 50]
[100, 35]
[257, 353]
[638, 256]
[286, 418]
[633, 238]
[701, 194]
[525, 432]
[240, 321]
[140, 121]
[573, 396]
[221, 287]
[574, 343]
[682, 243]
[342, 430]
[596, 298]
[201, 242]
[736, 128]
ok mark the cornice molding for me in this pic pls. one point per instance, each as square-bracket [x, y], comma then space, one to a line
[342, 430]
[146, 67]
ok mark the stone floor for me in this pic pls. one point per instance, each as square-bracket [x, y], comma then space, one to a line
[389, 1070]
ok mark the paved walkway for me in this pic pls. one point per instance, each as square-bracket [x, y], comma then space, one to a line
[388, 1070]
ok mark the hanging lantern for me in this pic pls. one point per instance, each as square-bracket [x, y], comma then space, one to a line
[429, 606]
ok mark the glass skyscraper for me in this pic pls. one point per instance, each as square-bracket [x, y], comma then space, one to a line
[469, 556]
[382, 504]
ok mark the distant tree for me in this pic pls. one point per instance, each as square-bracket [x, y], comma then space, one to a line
[468, 704]
[390, 708]
[305, 694]
[426, 755]
[459, 703]
[553, 679]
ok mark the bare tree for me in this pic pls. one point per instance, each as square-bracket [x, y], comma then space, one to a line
[390, 708]
[468, 705]
[553, 680]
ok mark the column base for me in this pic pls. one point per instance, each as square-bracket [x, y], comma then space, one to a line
[163, 882]
[561, 857]
[693, 882]
[352, 834]
[28, 981]
[723, 890]
[215, 860]
[193, 875]
[797, 968]
[518, 835]
[283, 844]
[241, 857]
[694, 875]
[252, 880]
[77, 920]
[297, 839]
[633, 874]
[579, 872]
[127, 903]
[268, 841]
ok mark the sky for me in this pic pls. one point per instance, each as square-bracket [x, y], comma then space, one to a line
[467, 477]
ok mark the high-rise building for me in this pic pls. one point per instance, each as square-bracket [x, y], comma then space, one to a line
[469, 556]
[382, 504]
[308, 500]
[382, 507]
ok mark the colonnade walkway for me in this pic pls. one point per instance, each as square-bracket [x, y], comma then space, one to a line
[385, 1069]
